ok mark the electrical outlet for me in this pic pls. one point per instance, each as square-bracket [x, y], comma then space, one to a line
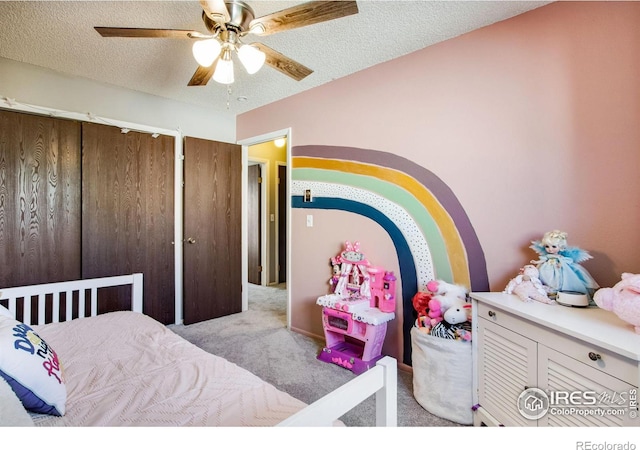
[309, 220]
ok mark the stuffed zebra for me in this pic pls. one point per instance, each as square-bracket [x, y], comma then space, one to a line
[445, 330]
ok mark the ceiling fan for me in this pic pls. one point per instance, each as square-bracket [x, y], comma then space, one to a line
[228, 22]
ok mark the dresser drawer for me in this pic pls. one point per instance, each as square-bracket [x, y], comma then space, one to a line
[591, 355]
[508, 320]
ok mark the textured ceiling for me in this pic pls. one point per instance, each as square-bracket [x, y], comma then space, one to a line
[60, 36]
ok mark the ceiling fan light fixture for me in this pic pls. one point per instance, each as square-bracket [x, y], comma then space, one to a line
[228, 21]
[205, 51]
[257, 28]
[224, 69]
[251, 58]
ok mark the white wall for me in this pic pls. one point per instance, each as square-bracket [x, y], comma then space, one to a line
[28, 84]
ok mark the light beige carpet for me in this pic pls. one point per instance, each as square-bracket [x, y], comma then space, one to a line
[259, 341]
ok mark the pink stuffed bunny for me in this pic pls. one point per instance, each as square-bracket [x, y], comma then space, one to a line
[623, 299]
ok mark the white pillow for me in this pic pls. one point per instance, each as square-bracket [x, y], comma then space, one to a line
[31, 368]
[12, 413]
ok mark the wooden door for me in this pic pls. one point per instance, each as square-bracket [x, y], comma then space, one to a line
[128, 213]
[254, 219]
[39, 199]
[282, 224]
[212, 230]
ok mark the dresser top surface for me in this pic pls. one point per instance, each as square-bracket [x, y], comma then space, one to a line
[590, 324]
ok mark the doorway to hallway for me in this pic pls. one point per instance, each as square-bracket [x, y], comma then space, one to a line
[265, 212]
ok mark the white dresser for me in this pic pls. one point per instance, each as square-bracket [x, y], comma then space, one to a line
[585, 360]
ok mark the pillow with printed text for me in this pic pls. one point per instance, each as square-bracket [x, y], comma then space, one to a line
[31, 367]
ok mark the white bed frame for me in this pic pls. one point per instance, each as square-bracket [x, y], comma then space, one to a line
[380, 380]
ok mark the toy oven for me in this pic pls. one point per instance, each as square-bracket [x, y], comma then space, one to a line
[337, 321]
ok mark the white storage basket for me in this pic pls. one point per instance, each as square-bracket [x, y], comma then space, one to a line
[442, 376]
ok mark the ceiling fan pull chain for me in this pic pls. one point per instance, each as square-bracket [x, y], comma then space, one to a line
[228, 94]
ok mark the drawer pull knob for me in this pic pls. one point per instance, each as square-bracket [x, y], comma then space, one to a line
[492, 314]
[594, 356]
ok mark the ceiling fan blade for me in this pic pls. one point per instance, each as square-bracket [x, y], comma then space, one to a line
[283, 64]
[148, 33]
[202, 75]
[216, 10]
[302, 15]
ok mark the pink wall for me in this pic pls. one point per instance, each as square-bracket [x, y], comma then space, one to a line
[313, 247]
[532, 122]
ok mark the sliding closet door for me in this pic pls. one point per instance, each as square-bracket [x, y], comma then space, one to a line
[39, 199]
[212, 229]
[128, 212]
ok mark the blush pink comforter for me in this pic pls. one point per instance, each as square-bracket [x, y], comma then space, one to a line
[126, 369]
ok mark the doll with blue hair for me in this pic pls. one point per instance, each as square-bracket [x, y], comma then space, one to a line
[559, 265]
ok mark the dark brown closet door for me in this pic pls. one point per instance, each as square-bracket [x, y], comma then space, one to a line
[254, 220]
[39, 199]
[212, 229]
[128, 213]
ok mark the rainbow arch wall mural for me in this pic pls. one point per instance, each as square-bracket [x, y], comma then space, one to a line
[431, 232]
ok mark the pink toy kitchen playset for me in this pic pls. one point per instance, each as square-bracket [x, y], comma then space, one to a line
[355, 315]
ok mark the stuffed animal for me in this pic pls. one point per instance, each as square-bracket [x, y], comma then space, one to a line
[439, 297]
[455, 323]
[434, 311]
[463, 335]
[447, 294]
[442, 287]
[623, 299]
[421, 302]
[528, 287]
[457, 314]
[460, 319]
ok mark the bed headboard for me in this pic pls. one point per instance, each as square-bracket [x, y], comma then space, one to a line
[75, 293]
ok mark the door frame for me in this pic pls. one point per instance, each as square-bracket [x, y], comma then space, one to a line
[264, 210]
[278, 238]
[246, 143]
